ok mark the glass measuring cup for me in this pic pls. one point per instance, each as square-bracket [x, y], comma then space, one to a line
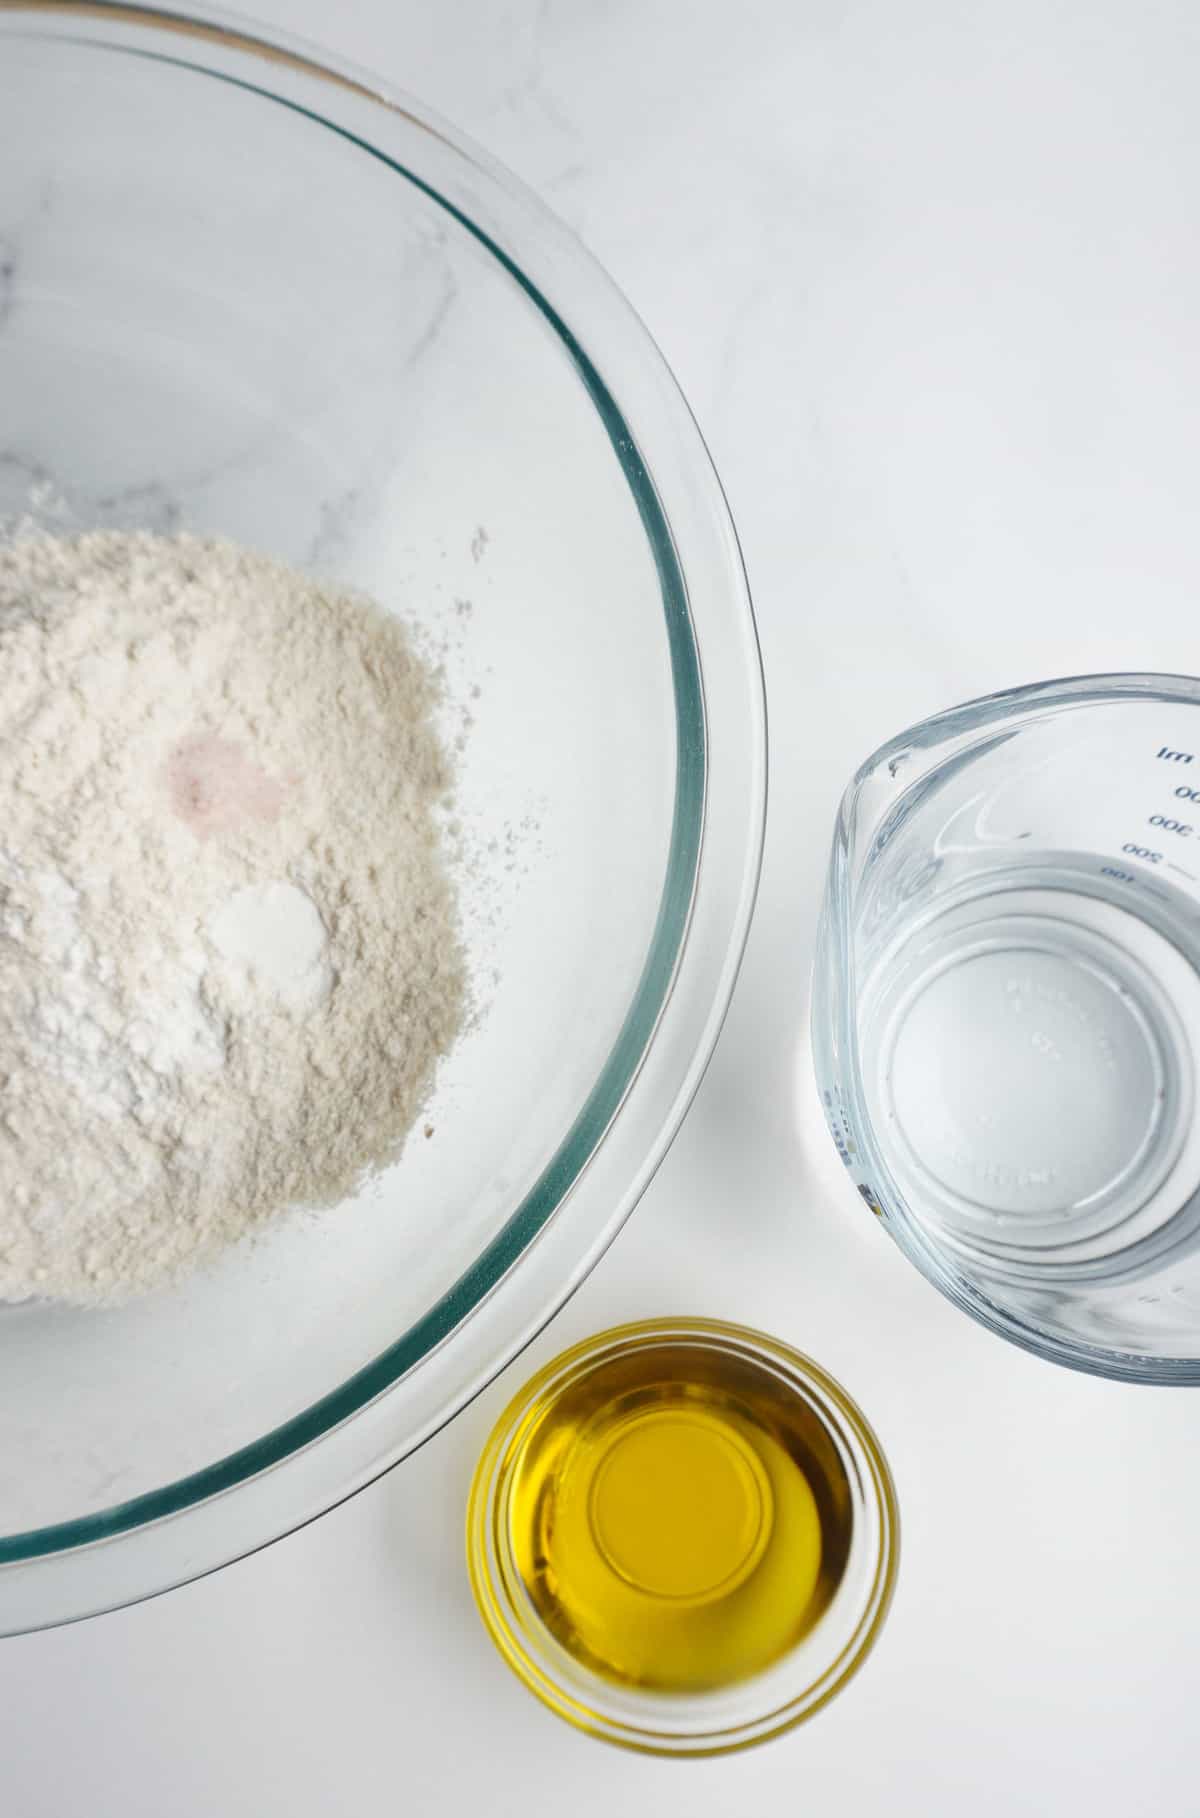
[1006, 1013]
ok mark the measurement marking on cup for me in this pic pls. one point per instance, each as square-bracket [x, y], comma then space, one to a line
[1184, 829]
[1174, 757]
[1190, 875]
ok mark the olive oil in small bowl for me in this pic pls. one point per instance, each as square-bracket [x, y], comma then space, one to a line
[682, 1536]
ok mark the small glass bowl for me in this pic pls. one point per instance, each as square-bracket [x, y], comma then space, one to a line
[751, 1708]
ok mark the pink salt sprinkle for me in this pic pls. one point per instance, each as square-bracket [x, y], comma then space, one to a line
[215, 785]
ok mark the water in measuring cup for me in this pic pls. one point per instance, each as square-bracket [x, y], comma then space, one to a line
[1029, 1006]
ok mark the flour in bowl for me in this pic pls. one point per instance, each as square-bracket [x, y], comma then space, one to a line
[229, 948]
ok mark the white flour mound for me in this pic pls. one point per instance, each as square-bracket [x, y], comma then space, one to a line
[229, 951]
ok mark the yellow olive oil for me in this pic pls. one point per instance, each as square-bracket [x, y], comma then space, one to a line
[679, 1516]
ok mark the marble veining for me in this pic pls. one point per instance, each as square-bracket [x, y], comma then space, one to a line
[8, 278]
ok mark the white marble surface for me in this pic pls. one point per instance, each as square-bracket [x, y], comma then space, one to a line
[929, 276]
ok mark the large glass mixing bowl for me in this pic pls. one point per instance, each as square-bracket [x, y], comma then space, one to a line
[246, 292]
